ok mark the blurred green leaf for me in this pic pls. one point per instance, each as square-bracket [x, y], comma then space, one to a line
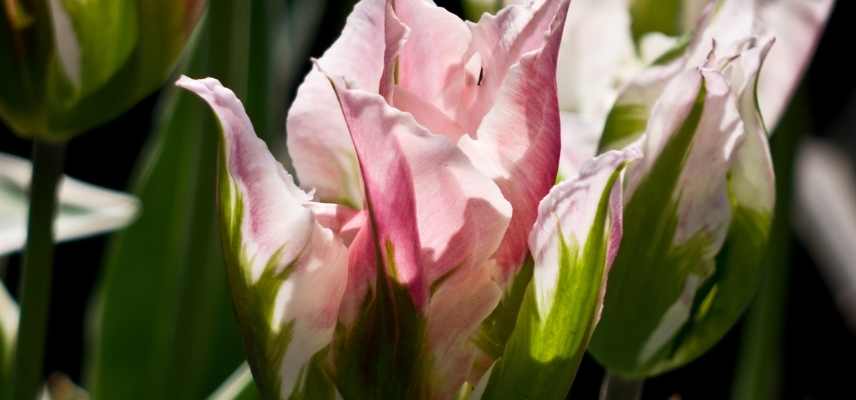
[163, 324]
[662, 16]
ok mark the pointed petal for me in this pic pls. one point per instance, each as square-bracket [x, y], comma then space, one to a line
[436, 65]
[430, 207]
[573, 243]
[570, 213]
[318, 140]
[502, 40]
[287, 271]
[519, 142]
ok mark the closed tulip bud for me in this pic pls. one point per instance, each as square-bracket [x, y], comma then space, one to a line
[698, 203]
[69, 65]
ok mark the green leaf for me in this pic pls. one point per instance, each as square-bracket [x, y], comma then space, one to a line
[164, 327]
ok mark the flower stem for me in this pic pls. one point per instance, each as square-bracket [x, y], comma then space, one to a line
[615, 387]
[35, 285]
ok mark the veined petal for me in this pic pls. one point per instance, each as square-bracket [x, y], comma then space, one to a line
[276, 221]
[456, 309]
[518, 143]
[573, 243]
[287, 271]
[430, 208]
[502, 40]
[435, 61]
[318, 140]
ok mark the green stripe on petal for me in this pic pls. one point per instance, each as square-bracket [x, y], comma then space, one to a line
[287, 272]
[573, 243]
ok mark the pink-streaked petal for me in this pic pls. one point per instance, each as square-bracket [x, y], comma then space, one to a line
[426, 199]
[274, 217]
[318, 141]
[501, 41]
[568, 213]
[797, 25]
[343, 221]
[362, 272]
[519, 142]
[455, 312]
[435, 60]
[396, 34]
[277, 231]
[309, 299]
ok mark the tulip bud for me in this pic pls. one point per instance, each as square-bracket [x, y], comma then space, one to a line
[67, 66]
[699, 202]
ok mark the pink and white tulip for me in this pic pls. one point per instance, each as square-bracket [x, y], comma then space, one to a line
[423, 146]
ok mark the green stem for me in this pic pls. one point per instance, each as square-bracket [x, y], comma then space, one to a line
[615, 387]
[35, 286]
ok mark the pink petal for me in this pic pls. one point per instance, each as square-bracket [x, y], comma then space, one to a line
[343, 221]
[455, 312]
[274, 212]
[318, 140]
[426, 200]
[435, 62]
[502, 40]
[277, 230]
[519, 141]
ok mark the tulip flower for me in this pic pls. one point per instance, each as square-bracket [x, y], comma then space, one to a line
[609, 43]
[67, 66]
[699, 202]
[398, 268]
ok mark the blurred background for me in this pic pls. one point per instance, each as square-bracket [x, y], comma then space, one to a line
[812, 343]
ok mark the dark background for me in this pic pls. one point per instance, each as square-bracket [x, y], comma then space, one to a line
[819, 350]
